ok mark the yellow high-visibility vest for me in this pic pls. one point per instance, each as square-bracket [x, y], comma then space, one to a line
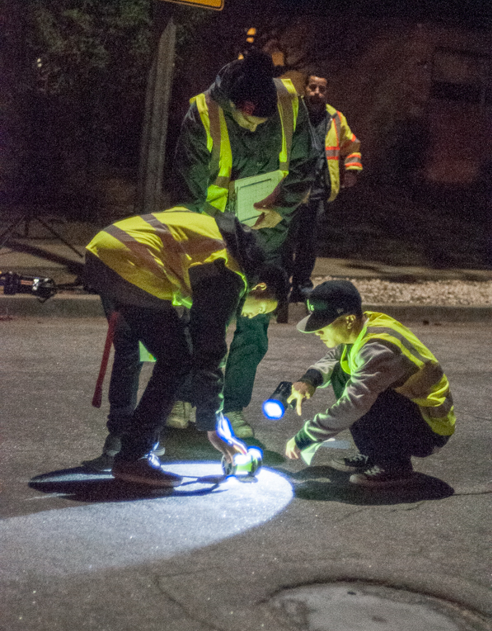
[428, 386]
[155, 252]
[219, 145]
[340, 143]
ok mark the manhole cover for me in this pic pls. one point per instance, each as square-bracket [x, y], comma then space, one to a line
[366, 607]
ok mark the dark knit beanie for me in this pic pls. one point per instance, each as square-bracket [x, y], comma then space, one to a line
[252, 87]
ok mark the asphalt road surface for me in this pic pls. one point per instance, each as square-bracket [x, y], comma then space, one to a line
[82, 552]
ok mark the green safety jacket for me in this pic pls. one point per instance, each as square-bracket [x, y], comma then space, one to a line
[386, 354]
[219, 144]
[213, 150]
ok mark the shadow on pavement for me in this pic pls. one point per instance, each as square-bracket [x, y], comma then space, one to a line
[327, 485]
[192, 445]
[80, 485]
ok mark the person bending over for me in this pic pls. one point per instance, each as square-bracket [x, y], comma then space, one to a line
[144, 267]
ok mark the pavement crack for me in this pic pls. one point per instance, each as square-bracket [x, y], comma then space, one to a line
[407, 507]
[186, 612]
[192, 572]
[351, 514]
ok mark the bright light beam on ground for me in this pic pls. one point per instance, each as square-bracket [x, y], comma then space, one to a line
[98, 536]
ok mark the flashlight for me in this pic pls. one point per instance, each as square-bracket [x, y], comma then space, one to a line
[244, 465]
[274, 407]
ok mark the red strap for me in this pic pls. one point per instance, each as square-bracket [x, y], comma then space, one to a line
[97, 398]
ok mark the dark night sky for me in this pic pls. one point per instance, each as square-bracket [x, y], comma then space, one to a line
[476, 13]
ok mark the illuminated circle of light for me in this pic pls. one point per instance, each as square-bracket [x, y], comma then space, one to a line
[116, 534]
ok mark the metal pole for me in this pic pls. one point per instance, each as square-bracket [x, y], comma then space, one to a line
[153, 145]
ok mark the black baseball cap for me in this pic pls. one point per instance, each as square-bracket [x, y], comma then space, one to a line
[329, 301]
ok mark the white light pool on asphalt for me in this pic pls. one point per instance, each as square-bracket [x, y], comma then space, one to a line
[116, 534]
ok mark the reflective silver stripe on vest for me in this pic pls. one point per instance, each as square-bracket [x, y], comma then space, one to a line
[158, 226]
[376, 331]
[199, 244]
[442, 410]
[210, 210]
[139, 249]
[222, 181]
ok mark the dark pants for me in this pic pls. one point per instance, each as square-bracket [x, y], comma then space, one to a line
[393, 430]
[163, 334]
[125, 373]
[300, 250]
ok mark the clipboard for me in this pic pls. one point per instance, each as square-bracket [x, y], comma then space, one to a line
[247, 191]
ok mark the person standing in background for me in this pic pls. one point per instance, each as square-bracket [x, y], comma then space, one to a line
[339, 162]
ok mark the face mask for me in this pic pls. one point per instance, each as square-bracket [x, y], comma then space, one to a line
[247, 122]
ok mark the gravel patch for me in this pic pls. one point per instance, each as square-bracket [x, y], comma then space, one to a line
[446, 292]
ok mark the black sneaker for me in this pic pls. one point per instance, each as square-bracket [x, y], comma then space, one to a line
[102, 463]
[378, 477]
[353, 464]
[146, 470]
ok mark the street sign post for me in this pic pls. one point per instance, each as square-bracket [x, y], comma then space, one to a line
[217, 5]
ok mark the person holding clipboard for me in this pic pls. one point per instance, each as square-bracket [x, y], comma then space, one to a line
[247, 124]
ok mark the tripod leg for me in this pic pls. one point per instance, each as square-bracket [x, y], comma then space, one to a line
[58, 236]
[4, 237]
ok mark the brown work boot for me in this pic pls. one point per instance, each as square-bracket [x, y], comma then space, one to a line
[146, 470]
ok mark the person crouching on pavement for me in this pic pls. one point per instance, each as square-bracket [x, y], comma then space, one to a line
[144, 267]
[391, 391]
